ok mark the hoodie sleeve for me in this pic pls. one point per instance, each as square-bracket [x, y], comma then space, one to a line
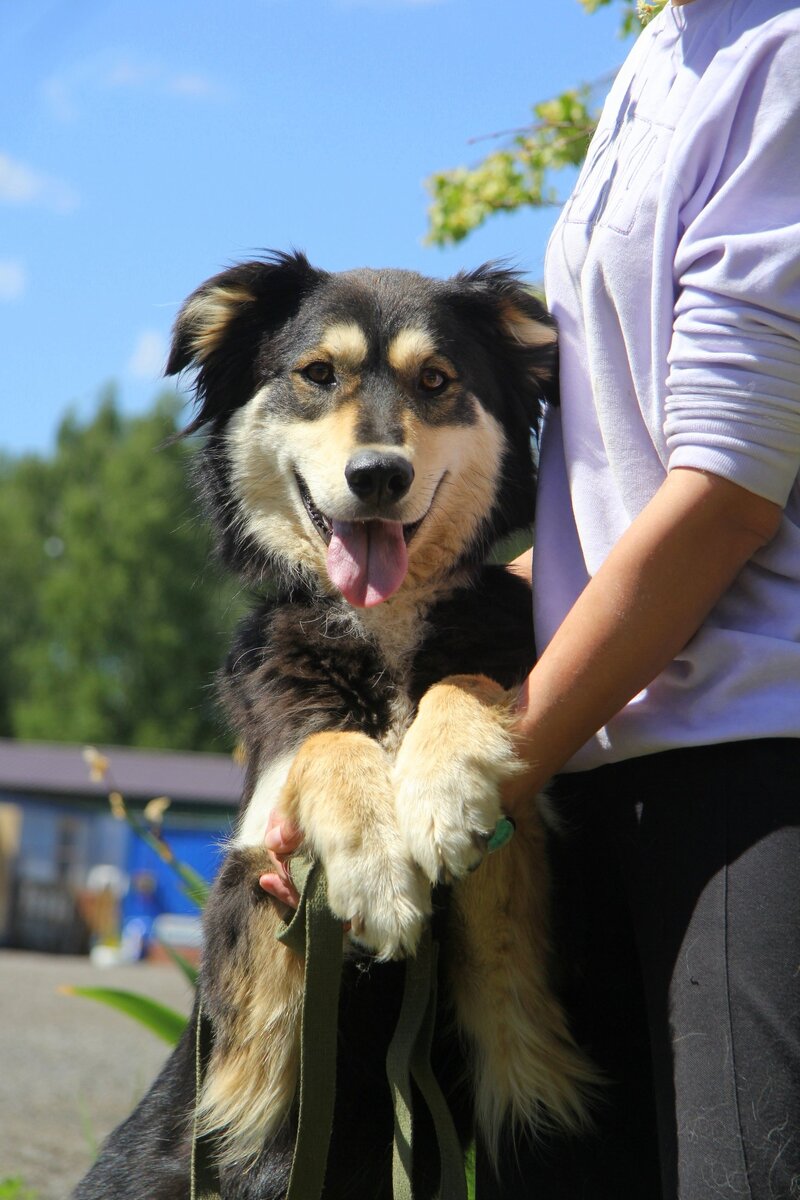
[733, 402]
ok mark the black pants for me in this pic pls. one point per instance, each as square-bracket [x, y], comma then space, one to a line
[677, 925]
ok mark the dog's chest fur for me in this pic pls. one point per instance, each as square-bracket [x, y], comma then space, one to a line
[302, 663]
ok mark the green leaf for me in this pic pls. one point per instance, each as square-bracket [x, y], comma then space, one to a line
[645, 12]
[13, 1188]
[517, 176]
[635, 13]
[525, 173]
[194, 886]
[469, 1165]
[190, 973]
[166, 1022]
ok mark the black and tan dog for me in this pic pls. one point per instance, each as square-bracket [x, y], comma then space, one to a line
[368, 439]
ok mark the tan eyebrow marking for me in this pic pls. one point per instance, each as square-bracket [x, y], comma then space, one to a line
[409, 348]
[345, 343]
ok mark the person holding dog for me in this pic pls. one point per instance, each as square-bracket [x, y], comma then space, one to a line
[666, 698]
[667, 613]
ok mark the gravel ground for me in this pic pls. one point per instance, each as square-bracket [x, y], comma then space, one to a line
[70, 1069]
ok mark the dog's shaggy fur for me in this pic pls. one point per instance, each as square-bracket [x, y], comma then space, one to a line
[368, 439]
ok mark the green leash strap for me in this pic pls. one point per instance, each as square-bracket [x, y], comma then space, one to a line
[398, 1063]
[316, 935]
[453, 1181]
[408, 1058]
[315, 932]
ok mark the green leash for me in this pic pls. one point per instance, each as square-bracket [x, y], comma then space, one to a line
[316, 934]
[409, 1058]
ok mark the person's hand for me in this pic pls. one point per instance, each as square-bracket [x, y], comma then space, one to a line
[281, 840]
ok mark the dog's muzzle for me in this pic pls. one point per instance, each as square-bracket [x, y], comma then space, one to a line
[367, 558]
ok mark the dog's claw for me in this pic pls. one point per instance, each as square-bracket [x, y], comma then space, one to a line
[357, 928]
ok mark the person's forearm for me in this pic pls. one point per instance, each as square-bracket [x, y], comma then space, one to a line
[638, 612]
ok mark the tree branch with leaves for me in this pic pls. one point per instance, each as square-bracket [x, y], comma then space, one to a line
[524, 173]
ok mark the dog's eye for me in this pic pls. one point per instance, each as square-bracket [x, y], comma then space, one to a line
[320, 373]
[432, 380]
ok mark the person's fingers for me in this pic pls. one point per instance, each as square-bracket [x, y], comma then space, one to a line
[282, 837]
[281, 840]
[278, 884]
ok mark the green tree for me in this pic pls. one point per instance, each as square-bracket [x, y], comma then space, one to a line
[113, 620]
[27, 497]
[525, 172]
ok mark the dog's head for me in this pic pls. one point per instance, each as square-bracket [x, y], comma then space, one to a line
[369, 428]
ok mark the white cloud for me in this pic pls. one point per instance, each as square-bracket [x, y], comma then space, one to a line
[149, 355]
[67, 93]
[125, 74]
[13, 279]
[59, 98]
[21, 184]
[193, 86]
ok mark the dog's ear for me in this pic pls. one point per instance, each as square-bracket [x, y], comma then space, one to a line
[517, 338]
[512, 315]
[219, 328]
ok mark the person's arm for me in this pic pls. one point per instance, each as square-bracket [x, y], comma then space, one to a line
[641, 608]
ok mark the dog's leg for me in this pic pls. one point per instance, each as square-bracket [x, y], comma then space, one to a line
[339, 792]
[337, 788]
[449, 772]
[527, 1069]
[252, 990]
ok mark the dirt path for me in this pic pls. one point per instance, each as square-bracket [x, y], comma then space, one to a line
[70, 1069]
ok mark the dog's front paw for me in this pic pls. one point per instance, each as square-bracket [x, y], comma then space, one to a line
[380, 891]
[449, 774]
[339, 792]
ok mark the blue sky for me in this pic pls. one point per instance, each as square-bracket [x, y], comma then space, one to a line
[143, 146]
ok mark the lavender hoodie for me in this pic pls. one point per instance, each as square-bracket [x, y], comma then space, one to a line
[674, 273]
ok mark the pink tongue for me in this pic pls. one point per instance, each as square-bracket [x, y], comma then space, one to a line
[367, 560]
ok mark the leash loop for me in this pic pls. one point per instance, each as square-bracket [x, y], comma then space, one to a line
[409, 1057]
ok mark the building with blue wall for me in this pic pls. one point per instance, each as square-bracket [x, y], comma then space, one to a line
[71, 873]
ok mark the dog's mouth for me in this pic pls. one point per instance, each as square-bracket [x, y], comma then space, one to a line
[367, 560]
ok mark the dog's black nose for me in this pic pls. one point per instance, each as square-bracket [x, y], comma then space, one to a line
[381, 478]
